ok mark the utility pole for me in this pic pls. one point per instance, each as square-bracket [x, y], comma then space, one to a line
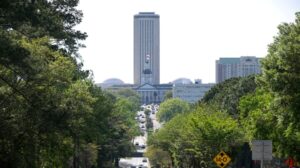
[262, 160]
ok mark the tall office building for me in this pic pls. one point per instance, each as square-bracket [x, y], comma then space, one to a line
[236, 67]
[146, 48]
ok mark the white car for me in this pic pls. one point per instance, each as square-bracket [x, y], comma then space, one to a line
[142, 119]
[137, 162]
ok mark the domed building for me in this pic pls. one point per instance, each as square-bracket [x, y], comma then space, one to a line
[111, 82]
[182, 81]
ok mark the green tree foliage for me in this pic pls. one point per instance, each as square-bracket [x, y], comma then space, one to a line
[274, 110]
[168, 95]
[132, 96]
[147, 111]
[170, 108]
[127, 93]
[158, 157]
[51, 114]
[263, 107]
[39, 18]
[48, 119]
[192, 139]
[45, 110]
[120, 130]
[281, 77]
[256, 116]
[226, 95]
[111, 128]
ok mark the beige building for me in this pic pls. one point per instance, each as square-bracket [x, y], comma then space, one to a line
[146, 48]
[191, 92]
[152, 93]
[227, 68]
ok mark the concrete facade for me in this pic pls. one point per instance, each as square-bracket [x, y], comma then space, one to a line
[153, 93]
[236, 67]
[191, 93]
[146, 48]
[148, 93]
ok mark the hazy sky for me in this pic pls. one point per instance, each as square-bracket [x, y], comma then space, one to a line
[193, 34]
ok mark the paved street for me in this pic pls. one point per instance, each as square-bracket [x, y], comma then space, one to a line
[156, 124]
[140, 142]
[136, 162]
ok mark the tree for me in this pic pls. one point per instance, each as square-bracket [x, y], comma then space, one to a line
[281, 78]
[44, 109]
[158, 157]
[192, 139]
[115, 127]
[121, 130]
[170, 108]
[226, 95]
[39, 18]
[51, 119]
[130, 95]
[51, 114]
[168, 95]
[256, 116]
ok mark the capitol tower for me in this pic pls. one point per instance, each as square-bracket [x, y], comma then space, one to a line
[146, 48]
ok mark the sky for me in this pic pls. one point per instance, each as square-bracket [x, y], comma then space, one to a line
[193, 34]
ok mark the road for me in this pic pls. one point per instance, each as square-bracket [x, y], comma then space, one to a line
[140, 142]
[138, 162]
[156, 124]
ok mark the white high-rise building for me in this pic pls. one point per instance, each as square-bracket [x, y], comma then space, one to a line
[146, 48]
[236, 67]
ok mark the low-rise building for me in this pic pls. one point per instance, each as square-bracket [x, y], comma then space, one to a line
[191, 92]
[152, 93]
[149, 93]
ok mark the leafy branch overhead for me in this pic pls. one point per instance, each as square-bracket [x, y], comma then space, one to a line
[51, 113]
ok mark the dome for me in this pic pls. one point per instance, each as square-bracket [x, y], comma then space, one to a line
[182, 81]
[113, 81]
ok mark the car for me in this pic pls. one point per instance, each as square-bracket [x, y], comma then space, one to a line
[143, 129]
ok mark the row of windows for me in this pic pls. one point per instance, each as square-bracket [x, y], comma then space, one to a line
[139, 17]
